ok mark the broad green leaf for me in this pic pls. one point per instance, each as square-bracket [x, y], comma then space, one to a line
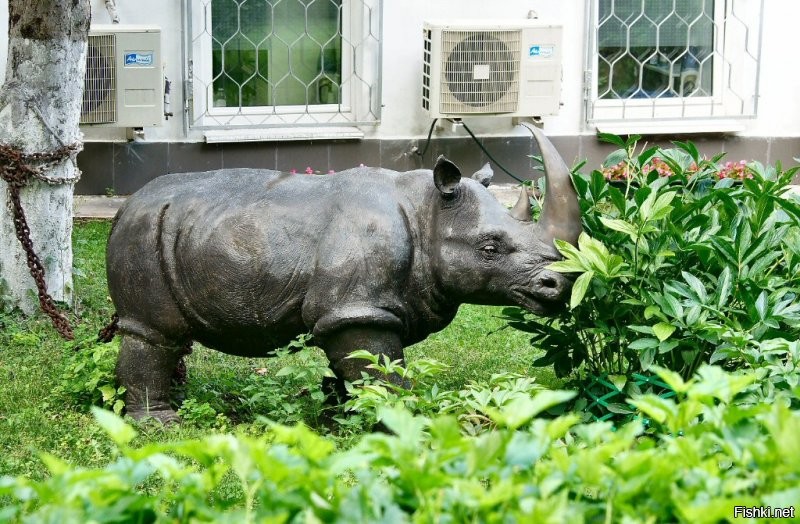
[120, 432]
[579, 288]
[522, 409]
[567, 266]
[646, 209]
[697, 287]
[651, 311]
[646, 358]
[55, 465]
[108, 392]
[644, 343]
[656, 408]
[364, 354]
[761, 305]
[595, 252]
[724, 286]
[661, 207]
[621, 226]
[405, 425]
[663, 330]
[673, 306]
[666, 346]
[619, 381]
[615, 158]
[672, 379]
[693, 315]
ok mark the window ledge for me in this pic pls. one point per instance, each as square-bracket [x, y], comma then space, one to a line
[282, 134]
[671, 127]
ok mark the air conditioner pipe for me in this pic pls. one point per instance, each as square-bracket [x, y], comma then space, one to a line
[167, 88]
[111, 7]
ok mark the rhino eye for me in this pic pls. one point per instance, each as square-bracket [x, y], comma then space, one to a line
[490, 250]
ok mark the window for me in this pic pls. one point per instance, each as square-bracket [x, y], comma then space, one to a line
[267, 63]
[673, 60]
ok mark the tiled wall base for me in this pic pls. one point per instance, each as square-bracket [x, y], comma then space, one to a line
[122, 168]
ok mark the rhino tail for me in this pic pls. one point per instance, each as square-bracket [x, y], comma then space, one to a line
[106, 334]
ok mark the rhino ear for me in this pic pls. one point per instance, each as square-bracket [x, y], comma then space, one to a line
[484, 175]
[446, 176]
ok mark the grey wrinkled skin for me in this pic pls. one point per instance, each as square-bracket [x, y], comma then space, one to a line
[244, 260]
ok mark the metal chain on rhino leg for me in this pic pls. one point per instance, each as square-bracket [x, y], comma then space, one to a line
[16, 170]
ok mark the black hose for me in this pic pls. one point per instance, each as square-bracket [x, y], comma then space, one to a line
[498, 164]
[428, 141]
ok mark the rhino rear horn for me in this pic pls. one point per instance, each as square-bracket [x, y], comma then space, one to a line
[561, 214]
[522, 209]
[446, 176]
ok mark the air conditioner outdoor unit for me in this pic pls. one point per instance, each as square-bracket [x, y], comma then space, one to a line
[503, 68]
[124, 81]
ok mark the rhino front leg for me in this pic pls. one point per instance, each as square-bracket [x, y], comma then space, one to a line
[339, 345]
[146, 371]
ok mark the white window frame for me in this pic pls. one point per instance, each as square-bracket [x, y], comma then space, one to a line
[734, 91]
[360, 82]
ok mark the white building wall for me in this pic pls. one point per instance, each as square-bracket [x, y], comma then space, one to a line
[402, 116]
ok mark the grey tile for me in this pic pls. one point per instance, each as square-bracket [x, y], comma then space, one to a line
[746, 148]
[97, 168]
[594, 152]
[186, 157]
[785, 150]
[261, 155]
[301, 155]
[463, 152]
[345, 154]
[136, 163]
[708, 146]
[513, 154]
[397, 154]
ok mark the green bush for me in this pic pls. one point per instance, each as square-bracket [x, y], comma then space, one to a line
[676, 270]
[706, 451]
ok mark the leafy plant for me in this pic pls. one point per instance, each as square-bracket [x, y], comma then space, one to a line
[201, 415]
[88, 377]
[421, 394]
[704, 453]
[670, 267]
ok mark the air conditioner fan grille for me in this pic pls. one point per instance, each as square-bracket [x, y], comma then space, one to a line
[480, 71]
[99, 86]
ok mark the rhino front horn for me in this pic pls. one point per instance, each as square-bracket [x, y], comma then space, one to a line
[522, 209]
[561, 214]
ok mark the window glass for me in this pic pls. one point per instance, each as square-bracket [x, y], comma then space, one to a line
[276, 53]
[655, 48]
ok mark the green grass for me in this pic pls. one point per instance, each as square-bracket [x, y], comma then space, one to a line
[33, 359]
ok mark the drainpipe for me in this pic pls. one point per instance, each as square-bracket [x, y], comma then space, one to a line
[111, 7]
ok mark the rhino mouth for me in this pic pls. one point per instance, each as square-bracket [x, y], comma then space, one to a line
[538, 304]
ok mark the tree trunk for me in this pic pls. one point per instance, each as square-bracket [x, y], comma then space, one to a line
[40, 105]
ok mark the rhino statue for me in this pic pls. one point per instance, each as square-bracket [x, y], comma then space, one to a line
[245, 260]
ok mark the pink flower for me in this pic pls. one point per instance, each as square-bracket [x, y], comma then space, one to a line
[293, 171]
[330, 171]
[309, 171]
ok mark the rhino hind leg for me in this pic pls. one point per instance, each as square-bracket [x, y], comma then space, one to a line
[147, 370]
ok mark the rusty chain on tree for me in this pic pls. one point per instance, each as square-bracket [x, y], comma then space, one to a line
[17, 169]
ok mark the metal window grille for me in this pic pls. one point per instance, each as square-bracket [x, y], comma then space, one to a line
[99, 86]
[673, 60]
[274, 63]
